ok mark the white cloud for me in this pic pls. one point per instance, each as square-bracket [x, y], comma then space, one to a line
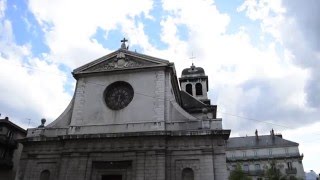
[232, 60]
[28, 92]
[2, 8]
[33, 92]
[308, 138]
[262, 78]
[296, 26]
[72, 23]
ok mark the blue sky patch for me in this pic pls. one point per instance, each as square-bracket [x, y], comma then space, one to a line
[152, 27]
[68, 87]
[107, 39]
[26, 29]
[239, 20]
[183, 32]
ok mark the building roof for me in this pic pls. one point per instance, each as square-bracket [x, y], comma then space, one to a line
[193, 71]
[260, 142]
[8, 123]
[121, 60]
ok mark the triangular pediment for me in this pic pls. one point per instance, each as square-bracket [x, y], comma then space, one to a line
[121, 60]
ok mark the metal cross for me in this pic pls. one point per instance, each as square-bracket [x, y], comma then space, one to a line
[123, 45]
[192, 57]
[124, 40]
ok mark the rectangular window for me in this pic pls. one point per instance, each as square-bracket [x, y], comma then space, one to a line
[255, 153]
[244, 153]
[246, 168]
[289, 165]
[257, 166]
[286, 151]
[9, 135]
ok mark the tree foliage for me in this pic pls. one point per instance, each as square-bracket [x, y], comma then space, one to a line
[273, 173]
[238, 174]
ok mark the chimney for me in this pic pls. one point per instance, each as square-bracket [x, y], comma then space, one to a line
[272, 132]
[257, 136]
[272, 135]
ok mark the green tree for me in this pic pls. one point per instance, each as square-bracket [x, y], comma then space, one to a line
[293, 178]
[238, 174]
[273, 173]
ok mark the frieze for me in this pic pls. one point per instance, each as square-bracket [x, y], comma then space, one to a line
[119, 62]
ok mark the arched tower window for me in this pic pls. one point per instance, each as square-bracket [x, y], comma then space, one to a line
[199, 89]
[189, 89]
[45, 175]
[187, 174]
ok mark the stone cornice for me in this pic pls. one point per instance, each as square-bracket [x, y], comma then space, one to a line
[215, 133]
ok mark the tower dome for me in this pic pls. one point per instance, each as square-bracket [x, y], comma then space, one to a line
[193, 71]
[195, 82]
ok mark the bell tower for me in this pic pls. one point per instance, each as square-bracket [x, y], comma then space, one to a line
[195, 82]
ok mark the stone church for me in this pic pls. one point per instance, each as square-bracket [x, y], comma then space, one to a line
[130, 118]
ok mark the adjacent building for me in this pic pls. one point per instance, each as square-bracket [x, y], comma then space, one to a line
[10, 149]
[129, 120]
[311, 175]
[255, 153]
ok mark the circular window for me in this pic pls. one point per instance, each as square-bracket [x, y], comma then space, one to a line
[118, 95]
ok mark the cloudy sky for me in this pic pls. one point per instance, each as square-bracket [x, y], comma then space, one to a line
[262, 57]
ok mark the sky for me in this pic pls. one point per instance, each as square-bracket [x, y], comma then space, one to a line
[262, 57]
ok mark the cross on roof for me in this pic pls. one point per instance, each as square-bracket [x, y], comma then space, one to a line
[123, 45]
[192, 57]
[124, 40]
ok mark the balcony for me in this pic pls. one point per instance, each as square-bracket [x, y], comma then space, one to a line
[291, 171]
[256, 172]
[264, 157]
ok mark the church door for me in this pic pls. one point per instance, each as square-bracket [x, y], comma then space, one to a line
[111, 177]
[187, 174]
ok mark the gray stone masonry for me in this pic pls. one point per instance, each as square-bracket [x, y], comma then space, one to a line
[152, 156]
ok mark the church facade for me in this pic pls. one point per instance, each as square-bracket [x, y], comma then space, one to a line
[130, 120]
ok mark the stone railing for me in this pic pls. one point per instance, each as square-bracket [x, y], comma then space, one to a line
[291, 171]
[256, 172]
[259, 157]
[259, 172]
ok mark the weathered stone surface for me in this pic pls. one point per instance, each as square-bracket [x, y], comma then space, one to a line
[155, 156]
[154, 137]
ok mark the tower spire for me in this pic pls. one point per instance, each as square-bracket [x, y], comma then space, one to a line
[192, 57]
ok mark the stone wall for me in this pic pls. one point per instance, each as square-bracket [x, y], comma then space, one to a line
[135, 157]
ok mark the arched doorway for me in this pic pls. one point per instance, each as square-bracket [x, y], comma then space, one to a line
[187, 174]
[45, 175]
